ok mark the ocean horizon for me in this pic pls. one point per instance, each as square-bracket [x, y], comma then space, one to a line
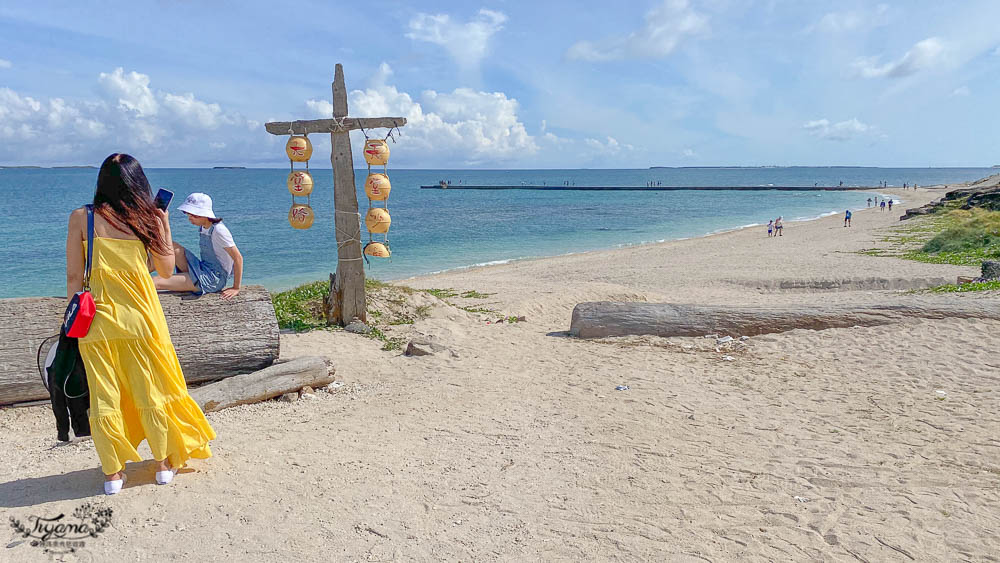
[438, 230]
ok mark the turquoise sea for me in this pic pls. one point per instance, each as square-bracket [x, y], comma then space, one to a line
[434, 230]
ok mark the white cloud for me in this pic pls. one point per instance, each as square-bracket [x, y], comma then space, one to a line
[609, 147]
[468, 125]
[132, 91]
[4, 63]
[663, 29]
[457, 128]
[924, 55]
[853, 20]
[194, 113]
[320, 108]
[467, 42]
[841, 131]
[130, 117]
[688, 153]
[960, 91]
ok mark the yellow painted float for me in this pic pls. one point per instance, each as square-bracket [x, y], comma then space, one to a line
[376, 152]
[299, 148]
[377, 220]
[377, 187]
[301, 216]
[300, 183]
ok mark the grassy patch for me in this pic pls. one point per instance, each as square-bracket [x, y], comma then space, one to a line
[483, 310]
[442, 293]
[389, 343]
[371, 283]
[974, 232]
[301, 309]
[473, 294]
[993, 285]
[950, 236]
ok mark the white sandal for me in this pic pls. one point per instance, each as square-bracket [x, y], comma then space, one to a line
[115, 486]
[165, 477]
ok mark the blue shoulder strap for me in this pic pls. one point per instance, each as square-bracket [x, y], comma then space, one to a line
[90, 246]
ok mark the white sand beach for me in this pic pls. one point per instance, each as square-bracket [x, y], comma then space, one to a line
[853, 444]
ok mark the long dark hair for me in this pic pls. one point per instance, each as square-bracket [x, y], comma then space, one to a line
[124, 198]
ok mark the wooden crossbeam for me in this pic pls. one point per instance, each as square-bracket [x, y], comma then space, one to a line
[302, 127]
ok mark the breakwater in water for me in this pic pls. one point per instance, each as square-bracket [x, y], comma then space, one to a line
[434, 229]
[652, 188]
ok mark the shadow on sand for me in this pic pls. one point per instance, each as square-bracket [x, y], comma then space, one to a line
[79, 484]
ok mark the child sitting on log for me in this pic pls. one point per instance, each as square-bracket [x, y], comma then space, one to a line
[219, 258]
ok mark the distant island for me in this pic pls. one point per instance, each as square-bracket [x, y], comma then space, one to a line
[50, 167]
[229, 168]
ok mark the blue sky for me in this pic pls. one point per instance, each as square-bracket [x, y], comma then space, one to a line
[508, 84]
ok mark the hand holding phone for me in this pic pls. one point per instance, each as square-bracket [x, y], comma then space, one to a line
[162, 199]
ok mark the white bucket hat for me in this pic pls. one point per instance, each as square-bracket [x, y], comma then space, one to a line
[198, 204]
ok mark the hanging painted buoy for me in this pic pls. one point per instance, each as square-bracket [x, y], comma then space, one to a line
[377, 187]
[377, 220]
[301, 216]
[376, 152]
[376, 249]
[299, 149]
[300, 183]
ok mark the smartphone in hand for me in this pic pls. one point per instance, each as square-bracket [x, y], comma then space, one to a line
[162, 199]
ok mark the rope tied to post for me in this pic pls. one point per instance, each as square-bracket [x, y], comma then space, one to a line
[339, 125]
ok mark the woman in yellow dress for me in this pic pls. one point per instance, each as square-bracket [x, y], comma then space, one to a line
[137, 389]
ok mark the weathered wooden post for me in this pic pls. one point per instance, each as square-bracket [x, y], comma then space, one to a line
[347, 287]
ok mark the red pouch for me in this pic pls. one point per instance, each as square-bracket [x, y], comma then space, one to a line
[79, 314]
[81, 309]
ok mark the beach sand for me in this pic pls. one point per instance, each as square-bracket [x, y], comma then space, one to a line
[855, 444]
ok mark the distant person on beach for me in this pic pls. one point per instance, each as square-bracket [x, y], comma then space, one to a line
[219, 260]
[778, 227]
[137, 388]
[890, 205]
[882, 205]
[770, 228]
[869, 202]
[847, 218]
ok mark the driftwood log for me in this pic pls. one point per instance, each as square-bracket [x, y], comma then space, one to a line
[265, 384]
[214, 338]
[605, 318]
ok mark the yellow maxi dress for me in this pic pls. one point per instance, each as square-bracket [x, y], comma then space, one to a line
[137, 389]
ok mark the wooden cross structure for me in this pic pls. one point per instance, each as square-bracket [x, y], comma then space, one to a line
[347, 287]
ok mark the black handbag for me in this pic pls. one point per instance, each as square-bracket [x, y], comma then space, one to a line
[65, 376]
[64, 369]
[63, 372]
